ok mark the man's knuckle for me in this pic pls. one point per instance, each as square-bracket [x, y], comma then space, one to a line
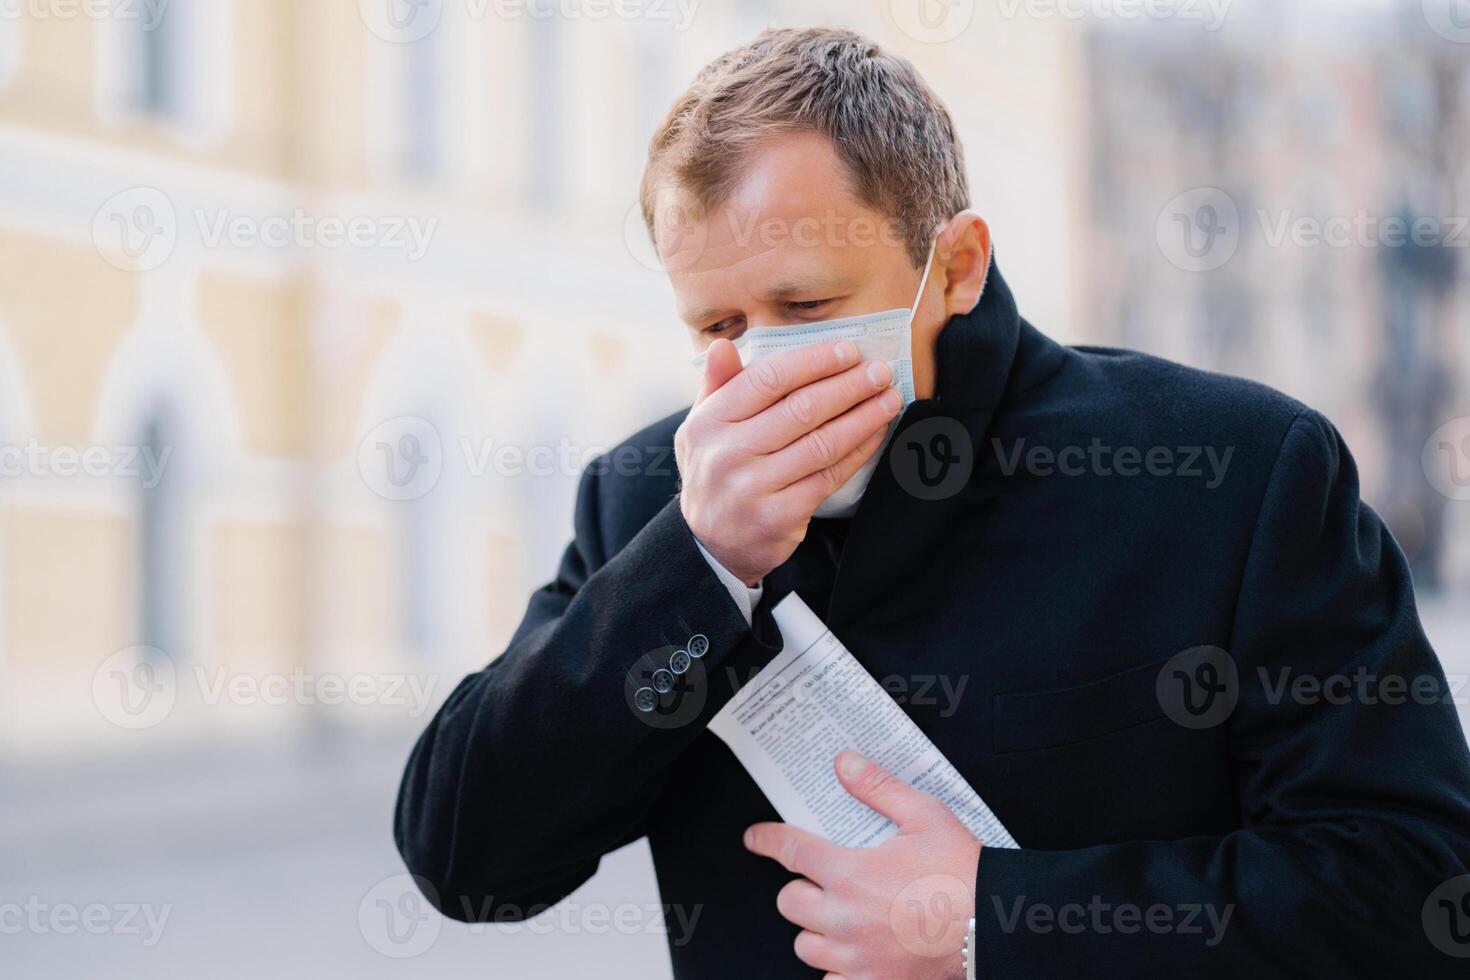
[799, 407]
[820, 446]
[792, 853]
[766, 377]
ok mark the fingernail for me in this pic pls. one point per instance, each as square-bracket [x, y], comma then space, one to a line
[847, 352]
[850, 763]
[749, 838]
[892, 401]
[879, 373]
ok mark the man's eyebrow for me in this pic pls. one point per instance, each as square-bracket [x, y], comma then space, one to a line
[806, 285]
[784, 289]
[705, 314]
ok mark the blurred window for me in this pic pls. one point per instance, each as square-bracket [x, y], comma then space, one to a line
[158, 536]
[423, 107]
[9, 46]
[169, 63]
[545, 110]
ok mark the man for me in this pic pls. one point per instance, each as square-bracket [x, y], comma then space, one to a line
[1142, 586]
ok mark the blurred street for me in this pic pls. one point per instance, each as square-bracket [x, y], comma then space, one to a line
[261, 862]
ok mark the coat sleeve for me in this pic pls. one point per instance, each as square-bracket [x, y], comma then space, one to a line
[1354, 808]
[542, 762]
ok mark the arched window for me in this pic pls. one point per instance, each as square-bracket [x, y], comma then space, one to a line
[9, 48]
[160, 538]
[545, 114]
[167, 63]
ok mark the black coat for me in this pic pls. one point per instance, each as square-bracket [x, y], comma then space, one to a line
[1069, 590]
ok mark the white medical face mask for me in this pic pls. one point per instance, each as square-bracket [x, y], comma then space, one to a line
[886, 336]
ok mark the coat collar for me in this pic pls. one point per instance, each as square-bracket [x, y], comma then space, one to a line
[976, 350]
[982, 357]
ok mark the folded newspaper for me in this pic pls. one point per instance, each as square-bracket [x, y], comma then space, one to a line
[787, 725]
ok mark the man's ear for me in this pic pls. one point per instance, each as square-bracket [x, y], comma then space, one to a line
[962, 253]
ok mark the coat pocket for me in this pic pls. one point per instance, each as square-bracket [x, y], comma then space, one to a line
[1045, 719]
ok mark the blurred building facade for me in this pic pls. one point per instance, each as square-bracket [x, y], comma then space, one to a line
[172, 290]
[1324, 131]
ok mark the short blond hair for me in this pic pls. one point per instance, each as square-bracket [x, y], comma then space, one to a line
[892, 133]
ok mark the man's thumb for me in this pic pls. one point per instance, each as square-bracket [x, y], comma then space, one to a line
[892, 797]
[722, 362]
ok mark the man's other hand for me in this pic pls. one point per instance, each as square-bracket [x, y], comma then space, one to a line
[764, 446]
[900, 909]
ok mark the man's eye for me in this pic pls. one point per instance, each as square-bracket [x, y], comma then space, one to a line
[723, 326]
[808, 305]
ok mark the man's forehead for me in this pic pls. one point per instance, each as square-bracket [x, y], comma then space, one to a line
[793, 192]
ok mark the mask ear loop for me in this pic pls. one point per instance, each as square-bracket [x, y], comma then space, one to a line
[924, 281]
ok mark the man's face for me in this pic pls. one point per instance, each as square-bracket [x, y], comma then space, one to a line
[792, 244]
